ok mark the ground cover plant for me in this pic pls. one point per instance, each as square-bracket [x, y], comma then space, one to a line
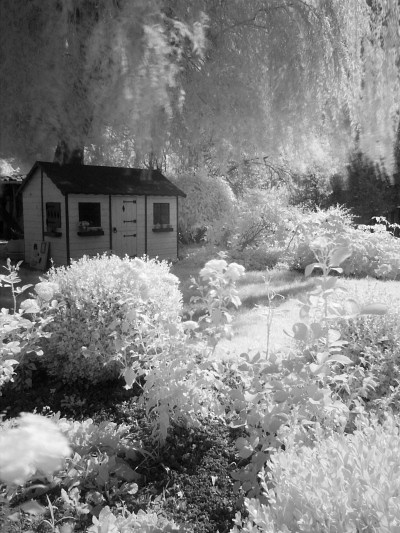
[149, 447]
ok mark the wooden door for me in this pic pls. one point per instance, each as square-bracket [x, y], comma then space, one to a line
[124, 225]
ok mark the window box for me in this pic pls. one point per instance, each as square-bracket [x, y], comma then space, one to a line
[90, 232]
[52, 234]
[162, 228]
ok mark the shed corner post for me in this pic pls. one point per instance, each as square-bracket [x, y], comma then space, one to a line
[67, 230]
[42, 201]
[177, 232]
[110, 221]
[145, 224]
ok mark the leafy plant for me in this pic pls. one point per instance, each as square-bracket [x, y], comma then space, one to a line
[22, 329]
[216, 292]
[115, 314]
[340, 483]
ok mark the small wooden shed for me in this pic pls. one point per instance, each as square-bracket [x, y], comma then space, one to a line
[85, 210]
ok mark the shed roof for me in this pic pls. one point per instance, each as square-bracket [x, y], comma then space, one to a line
[91, 179]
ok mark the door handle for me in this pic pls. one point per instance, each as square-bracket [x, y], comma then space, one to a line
[114, 230]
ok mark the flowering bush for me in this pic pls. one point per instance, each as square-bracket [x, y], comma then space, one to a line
[342, 483]
[35, 446]
[216, 292]
[114, 313]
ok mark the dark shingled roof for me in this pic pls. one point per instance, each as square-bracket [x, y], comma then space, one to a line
[90, 179]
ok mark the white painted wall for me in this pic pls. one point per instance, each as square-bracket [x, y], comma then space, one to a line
[32, 209]
[162, 245]
[58, 248]
[140, 228]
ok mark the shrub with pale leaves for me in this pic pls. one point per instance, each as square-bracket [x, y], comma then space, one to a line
[114, 312]
[342, 483]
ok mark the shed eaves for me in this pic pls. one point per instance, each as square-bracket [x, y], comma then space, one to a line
[91, 179]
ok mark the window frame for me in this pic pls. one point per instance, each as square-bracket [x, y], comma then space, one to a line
[160, 218]
[53, 220]
[86, 217]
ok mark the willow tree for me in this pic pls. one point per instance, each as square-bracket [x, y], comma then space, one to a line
[71, 70]
[293, 77]
[200, 78]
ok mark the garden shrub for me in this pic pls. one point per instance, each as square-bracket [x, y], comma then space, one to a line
[341, 483]
[369, 191]
[310, 189]
[112, 312]
[375, 251]
[263, 217]
[207, 210]
[373, 345]
[334, 223]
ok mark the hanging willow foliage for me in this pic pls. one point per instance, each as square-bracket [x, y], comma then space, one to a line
[265, 77]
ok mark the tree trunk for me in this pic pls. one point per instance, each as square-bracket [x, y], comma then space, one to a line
[65, 155]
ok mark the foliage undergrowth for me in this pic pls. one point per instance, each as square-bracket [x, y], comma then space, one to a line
[282, 413]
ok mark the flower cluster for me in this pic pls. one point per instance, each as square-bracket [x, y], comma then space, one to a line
[35, 446]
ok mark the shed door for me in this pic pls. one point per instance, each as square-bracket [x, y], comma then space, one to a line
[123, 221]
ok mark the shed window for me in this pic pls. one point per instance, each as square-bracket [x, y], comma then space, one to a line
[53, 216]
[161, 213]
[89, 212]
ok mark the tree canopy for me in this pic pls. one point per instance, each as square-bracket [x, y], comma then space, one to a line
[195, 79]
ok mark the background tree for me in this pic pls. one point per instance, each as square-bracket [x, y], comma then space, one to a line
[73, 70]
[369, 191]
[233, 80]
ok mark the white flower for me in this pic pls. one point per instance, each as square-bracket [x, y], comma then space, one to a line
[213, 267]
[46, 290]
[234, 272]
[30, 306]
[35, 445]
